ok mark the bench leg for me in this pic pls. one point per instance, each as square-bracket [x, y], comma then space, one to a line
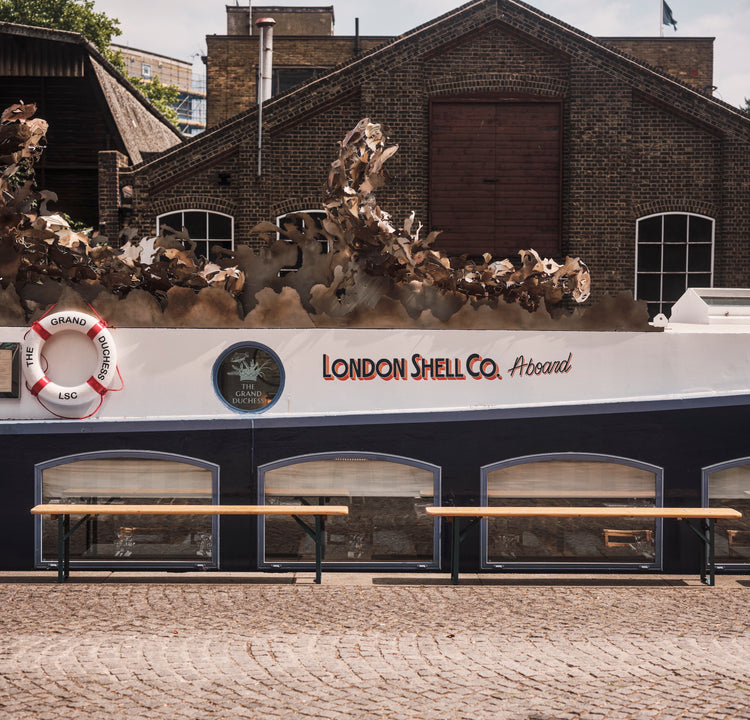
[455, 550]
[318, 536]
[706, 532]
[61, 548]
[318, 548]
[711, 552]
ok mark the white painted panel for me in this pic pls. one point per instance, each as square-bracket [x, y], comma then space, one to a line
[168, 372]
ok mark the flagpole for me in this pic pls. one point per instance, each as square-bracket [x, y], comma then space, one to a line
[661, 20]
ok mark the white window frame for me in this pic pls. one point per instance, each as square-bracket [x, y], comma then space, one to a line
[207, 241]
[317, 212]
[686, 272]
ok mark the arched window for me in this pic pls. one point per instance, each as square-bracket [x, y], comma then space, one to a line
[728, 485]
[386, 496]
[674, 251]
[208, 229]
[133, 477]
[299, 220]
[571, 479]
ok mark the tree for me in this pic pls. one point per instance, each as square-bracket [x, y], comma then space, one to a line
[746, 109]
[81, 17]
[74, 15]
[163, 97]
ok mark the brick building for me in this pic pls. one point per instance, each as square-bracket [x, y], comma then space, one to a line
[304, 47]
[515, 130]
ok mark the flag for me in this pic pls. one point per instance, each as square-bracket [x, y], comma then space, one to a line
[668, 18]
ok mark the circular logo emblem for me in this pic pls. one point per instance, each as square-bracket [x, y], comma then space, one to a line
[248, 377]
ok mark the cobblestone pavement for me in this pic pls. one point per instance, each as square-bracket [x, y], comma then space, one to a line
[375, 649]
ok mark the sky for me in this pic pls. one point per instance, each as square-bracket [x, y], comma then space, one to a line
[178, 28]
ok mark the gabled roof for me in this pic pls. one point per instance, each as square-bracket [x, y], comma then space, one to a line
[142, 128]
[446, 30]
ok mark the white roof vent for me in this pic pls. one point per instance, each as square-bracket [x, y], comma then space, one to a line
[713, 306]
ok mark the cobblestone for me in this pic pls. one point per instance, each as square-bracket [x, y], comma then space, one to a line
[174, 650]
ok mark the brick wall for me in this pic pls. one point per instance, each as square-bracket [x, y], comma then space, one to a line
[232, 63]
[110, 164]
[633, 143]
[690, 60]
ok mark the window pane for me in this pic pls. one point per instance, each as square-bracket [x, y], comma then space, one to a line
[699, 280]
[386, 521]
[202, 248]
[174, 220]
[570, 483]
[675, 258]
[286, 78]
[228, 244]
[195, 222]
[675, 228]
[219, 227]
[700, 229]
[649, 257]
[655, 308]
[649, 287]
[649, 230]
[731, 488]
[699, 258]
[140, 481]
[673, 287]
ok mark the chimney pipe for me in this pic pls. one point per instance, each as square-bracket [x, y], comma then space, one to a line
[265, 75]
[265, 59]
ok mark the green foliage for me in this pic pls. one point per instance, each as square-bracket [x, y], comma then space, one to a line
[746, 109]
[161, 96]
[74, 15]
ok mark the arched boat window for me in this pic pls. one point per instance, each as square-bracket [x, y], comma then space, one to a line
[571, 479]
[129, 477]
[386, 496]
[727, 485]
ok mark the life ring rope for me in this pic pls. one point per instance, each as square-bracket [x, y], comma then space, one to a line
[95, 387]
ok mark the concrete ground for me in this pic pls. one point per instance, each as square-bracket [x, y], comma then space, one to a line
[524, 647]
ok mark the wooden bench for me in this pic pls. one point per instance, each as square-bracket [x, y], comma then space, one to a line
[706, 518]
[64, 511]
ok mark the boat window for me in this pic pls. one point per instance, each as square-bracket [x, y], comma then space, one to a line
[728, 486]
[129, 477]
[571, 480]
[386, 497]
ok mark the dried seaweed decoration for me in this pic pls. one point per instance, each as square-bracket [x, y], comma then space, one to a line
[42, 246]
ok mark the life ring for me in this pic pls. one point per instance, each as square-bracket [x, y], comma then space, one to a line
[106, 364]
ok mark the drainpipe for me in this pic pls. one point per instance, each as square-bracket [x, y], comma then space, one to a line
[265, 67]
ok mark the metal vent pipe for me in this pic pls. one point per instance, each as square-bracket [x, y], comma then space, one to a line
[265, 74]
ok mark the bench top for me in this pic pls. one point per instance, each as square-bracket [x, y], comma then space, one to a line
[185, 509]
[585, 511]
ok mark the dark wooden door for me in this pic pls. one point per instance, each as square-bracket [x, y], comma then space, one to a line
[495, 176]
